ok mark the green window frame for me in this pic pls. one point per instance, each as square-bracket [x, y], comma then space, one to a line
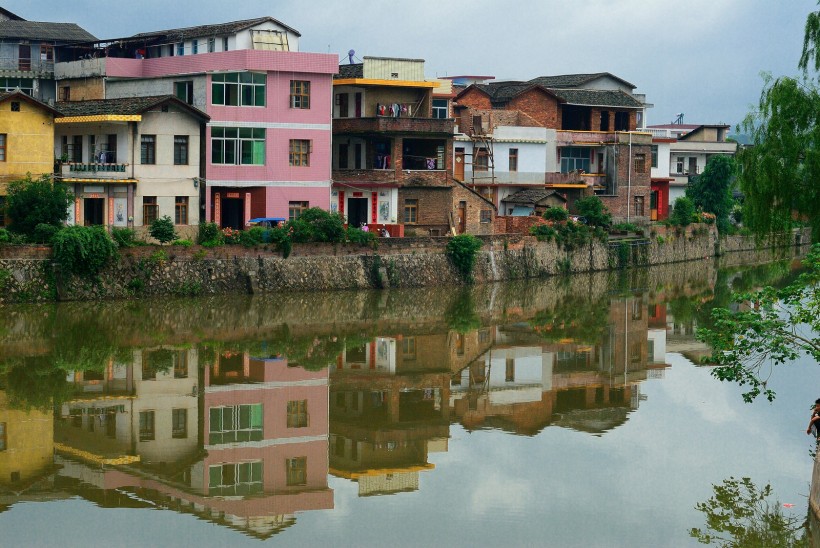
[239, 89]
[235, 424]
[238, 146]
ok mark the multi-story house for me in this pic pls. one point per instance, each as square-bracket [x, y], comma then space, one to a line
[131, 161]
[682, 151]
[392, 159]
[26, 140]
[575, 134]
[267, 145]
[28, 51]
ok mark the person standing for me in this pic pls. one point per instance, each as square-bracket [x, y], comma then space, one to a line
[814, 421]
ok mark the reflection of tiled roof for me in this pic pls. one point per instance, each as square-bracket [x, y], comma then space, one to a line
[219, 29]
[531, 196]
[124, 106]
[355, 70]
[52, 32]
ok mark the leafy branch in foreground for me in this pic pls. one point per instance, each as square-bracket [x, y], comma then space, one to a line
[773, 326]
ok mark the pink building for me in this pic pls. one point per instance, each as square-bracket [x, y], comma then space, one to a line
[267, 145]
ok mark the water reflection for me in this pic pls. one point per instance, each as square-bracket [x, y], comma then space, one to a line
[237, 410]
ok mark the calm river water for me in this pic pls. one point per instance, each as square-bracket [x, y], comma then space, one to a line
[561, 412]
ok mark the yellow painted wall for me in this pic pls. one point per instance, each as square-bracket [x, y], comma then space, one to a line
[29, 442]
[29, 142]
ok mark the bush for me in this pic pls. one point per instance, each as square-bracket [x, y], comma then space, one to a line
[359, 236]
[317, 225]
[556, 214]
[682, 212]
[626, 227]
[4, 236]
[44, 233]
[83, 250]
[593, 210]
[462, 250]
[31, 202]
[253, 236]
[209, 235]
[124, 237]
[231, 235]
[162, 230]
[280, 236]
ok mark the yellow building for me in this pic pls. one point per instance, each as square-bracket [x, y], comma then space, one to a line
[26, 140]
[26, 443]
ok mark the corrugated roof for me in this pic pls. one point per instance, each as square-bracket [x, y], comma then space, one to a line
[218, 29]
[52, 32]
[124, 106]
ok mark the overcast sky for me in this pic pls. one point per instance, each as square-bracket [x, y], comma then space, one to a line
[699, 57]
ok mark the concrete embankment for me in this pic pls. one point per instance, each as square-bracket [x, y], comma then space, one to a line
[27, 274]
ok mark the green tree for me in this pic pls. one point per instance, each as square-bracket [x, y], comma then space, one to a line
[779, 172]
[773, 326]
[31, 202]
[682, 211]
[162, 230]
[593, 210]
[711, 191]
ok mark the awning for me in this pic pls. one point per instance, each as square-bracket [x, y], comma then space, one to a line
[98, 181]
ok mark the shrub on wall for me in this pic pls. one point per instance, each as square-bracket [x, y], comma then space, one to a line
[209, 235]
[593, 211]
[683, 211]
[31, 202]
[556, 214]
[317, 225]
[462, 251]
[162, 230]
[124, 237]
[83, 250]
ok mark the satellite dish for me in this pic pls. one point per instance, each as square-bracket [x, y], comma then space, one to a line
[350, 55]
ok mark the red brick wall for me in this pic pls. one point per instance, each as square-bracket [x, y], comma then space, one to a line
[538, 105]
[475, 98]
[516, 225]
[640, 186]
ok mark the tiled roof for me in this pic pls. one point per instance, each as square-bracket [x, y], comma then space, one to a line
[52, 32]
[219, 29]
[531, 196]
[355, 70]
[17, 94]
[574, 80]
[597, 97]
[124, 106]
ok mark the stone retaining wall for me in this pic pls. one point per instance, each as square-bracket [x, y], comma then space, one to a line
[27, 274]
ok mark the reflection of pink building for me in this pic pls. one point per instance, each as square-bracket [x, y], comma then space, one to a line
[265, 431]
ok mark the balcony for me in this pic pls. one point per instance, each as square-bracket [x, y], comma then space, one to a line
[573, 179]
[86, 171]
[27, 67]
[388, 125]
[580, 138]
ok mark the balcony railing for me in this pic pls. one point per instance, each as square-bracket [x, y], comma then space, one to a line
[77, 170]
[16, 64]
[393, 125]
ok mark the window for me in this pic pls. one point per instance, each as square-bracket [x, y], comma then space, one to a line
[574, 159]
[235, 423]
[679, 161]
[639, 206]
[26, 85]
[194, 46]
[225, 43]
[621, 121]
[181, 210]
[150, 209]
[440, 109]
[147, 430]
[411, 211]
[246, 89]
[181, 49]
[639, 163]
[180, 150]
[604, 121]
[179, 423]
[486, 215]
[184, 91]
[654, 155]
[344, 151]
[211, 45]
[148, 149]
[238, 146]
[110, 150]
[235, 479]
[3, 137]
[15, 106]
[295, 209]
[46, 52]
[296, 471]
[181, 364]
[297, 414]
[65, 93]
[408, 348]
[299, 94]
[481, 162]
[513, 159]
[300, 152]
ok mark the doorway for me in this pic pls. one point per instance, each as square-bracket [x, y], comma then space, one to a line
[462, 217]
[356, 212]
[233, 210]
[458, 172]
[93, 211]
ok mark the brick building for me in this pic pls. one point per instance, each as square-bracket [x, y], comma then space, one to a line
[392, 159]
[574, 133]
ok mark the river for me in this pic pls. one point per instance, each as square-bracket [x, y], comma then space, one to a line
[558, 412]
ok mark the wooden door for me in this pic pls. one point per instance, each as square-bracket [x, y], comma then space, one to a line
[462, 217]
[458, 170]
